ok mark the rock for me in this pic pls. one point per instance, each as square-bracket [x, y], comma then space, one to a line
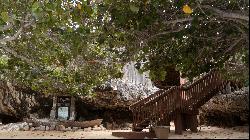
[87, 129]
[34, 116]
[32, 128]
[68, 129]
[21, 129]
[15, 101]
[97, 129]
[52, 127]
[14, 126]
[42, 128]
[95, 126]
[102, 127]
[80, 130]
[47, 128]
[26, 128]
[109, 126]
[226, 109]
[60, 128]
[75, 128]
[37, 128]
[129, 125]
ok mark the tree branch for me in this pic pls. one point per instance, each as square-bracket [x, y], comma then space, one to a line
[232, 46]
[166, 32]
[6, 27]
[7, 49]
[178, 20]
[15, 36]
[226, 14]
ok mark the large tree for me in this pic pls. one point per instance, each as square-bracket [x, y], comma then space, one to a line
[72, 45]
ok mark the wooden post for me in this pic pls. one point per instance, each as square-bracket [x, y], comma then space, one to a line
[53, 109]
[178, 123]
[72, 109]
[184, 122]
[193, 123]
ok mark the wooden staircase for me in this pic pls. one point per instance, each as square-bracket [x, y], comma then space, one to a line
[166, 105]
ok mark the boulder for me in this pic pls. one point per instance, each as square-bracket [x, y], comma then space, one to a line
[26, 128]
[42, 128]
[37, 128]
[75, 128]
[68, 129]
[109, 126]
[12, 101]
[60, 128]
[17, 103]
[32, 128]
[102, 127]
[87, 129]
[47, 128]
[226, 109]
[97, 128]
[52, 127]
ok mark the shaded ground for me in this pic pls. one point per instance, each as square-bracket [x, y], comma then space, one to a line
[206, 132]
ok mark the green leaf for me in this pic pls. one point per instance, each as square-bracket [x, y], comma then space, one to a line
[5, 16]
[133, 8]
[35, 6]
[89, 10]
[180, 3]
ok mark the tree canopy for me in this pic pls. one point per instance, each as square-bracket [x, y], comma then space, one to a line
[71, 46]
[193, 35]
[52, 46]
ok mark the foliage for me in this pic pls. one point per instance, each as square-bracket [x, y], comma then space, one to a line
[70, 46]
[194, 36]
[52, 46]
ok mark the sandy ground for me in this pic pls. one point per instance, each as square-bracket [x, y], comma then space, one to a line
[206, 132]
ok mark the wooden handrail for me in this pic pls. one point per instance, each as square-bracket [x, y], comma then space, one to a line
[184, 87]
[164, 102]
[142, 101]
[162, 90]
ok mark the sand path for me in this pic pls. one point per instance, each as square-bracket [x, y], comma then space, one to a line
[206, 132]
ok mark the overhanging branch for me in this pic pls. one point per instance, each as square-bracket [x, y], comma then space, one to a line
[227, 14]
[15, 36]
[7, 49]
[6, 27]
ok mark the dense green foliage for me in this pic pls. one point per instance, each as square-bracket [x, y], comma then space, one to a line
[52, 49]
[162, 35]
[70, 46]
